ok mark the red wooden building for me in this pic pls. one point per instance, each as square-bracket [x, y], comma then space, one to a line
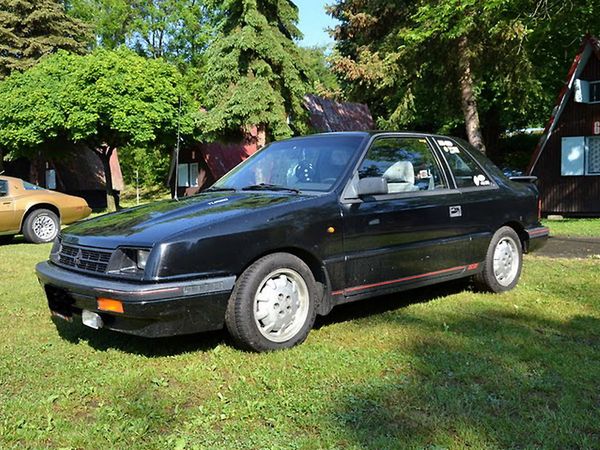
[567, 158]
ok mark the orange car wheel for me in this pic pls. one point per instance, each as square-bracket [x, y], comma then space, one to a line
[40, 226]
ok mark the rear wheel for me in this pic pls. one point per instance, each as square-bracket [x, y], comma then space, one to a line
[40, 226]
[503, 262]
[273, 304]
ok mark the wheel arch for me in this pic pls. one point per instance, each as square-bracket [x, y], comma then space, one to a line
[520, 230]
[31, 208]
[316, 266]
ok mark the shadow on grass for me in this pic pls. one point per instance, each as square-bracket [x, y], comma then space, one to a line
[103, 340]
[490, 380]
[384, 303]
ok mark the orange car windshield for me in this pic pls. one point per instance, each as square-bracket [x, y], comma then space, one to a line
[3, 188]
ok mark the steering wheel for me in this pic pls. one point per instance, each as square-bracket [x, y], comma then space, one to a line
[304, 172]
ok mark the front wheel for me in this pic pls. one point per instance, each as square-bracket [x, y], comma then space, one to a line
[41, 226]
[503, 262]
[273, 304]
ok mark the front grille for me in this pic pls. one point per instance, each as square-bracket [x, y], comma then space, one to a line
[87, 259]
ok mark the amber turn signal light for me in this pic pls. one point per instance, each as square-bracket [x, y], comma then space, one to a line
[108, 304]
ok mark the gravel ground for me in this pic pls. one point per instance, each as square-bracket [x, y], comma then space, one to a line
[567, 247]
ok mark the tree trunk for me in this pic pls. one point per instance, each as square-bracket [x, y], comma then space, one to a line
[261, 136]
[112, 198]
[1, 160]
[467, 96]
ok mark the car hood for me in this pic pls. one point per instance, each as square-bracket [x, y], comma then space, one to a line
[158, 222]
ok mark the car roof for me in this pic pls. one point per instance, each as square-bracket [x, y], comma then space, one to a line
[12, 179]
[368, 133]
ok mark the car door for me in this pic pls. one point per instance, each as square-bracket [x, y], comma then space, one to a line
[484, 206]
[413, 232]
[7, 208]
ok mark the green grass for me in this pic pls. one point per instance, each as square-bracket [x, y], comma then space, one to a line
[429, 369]
[574, 227]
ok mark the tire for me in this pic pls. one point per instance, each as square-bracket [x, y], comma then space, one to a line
[272, 305]
[41, 226]
[503, 263]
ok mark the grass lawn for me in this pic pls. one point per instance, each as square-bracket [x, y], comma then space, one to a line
[430, 369]
[574, 227]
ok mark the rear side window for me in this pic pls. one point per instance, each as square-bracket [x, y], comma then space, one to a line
[3, 188]
[32, 187]
[466, 171]
[407, 164]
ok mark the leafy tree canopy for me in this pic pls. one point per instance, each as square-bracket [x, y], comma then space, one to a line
[414, 62]
[177, 30]
[106, 99]
[255, 73]
[30, 29]
[323, 80]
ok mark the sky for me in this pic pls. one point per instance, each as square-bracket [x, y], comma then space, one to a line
[313, 22]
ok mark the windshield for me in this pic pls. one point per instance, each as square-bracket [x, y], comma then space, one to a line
[303, 164]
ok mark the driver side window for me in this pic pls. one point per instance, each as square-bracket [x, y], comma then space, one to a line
[3, 188]
[407, 164]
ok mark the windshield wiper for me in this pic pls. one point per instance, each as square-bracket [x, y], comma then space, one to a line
[269, 187]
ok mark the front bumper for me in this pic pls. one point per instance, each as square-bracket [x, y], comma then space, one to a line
[149, 309]
[537, 238]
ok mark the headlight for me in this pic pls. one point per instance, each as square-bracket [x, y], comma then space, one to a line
[142, 258]
[129, 262]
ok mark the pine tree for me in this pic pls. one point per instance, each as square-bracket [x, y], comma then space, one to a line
[255, 73]
[30, 29]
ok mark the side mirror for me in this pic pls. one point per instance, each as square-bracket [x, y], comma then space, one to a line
[372, 186]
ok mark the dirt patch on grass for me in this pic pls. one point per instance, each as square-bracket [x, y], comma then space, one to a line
[568, 247]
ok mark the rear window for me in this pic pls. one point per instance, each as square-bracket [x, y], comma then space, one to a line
[466, 171]
[3, 188]
[32, 187]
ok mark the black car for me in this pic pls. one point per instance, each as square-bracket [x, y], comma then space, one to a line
[300, 227]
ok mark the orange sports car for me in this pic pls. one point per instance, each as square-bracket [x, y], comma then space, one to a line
[36, 212]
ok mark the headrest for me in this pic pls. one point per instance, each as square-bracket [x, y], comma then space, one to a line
[400, 172]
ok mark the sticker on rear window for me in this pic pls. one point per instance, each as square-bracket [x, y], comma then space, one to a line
[481, 180]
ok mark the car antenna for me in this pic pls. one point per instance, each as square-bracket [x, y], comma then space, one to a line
[176, 182]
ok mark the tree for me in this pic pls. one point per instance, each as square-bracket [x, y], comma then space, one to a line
[418, 63]
[177, 30]
[110, 20]
[105, 100]
[323, 80]
[30, 29]
[255, 74]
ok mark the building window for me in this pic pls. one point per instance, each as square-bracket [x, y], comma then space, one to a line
[580, 156]
[595, 92]
[188, 175]
[593, 156]
[587, 91]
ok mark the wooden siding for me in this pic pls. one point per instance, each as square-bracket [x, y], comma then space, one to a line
[570, 195]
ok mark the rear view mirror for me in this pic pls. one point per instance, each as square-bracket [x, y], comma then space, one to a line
[372, 186]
